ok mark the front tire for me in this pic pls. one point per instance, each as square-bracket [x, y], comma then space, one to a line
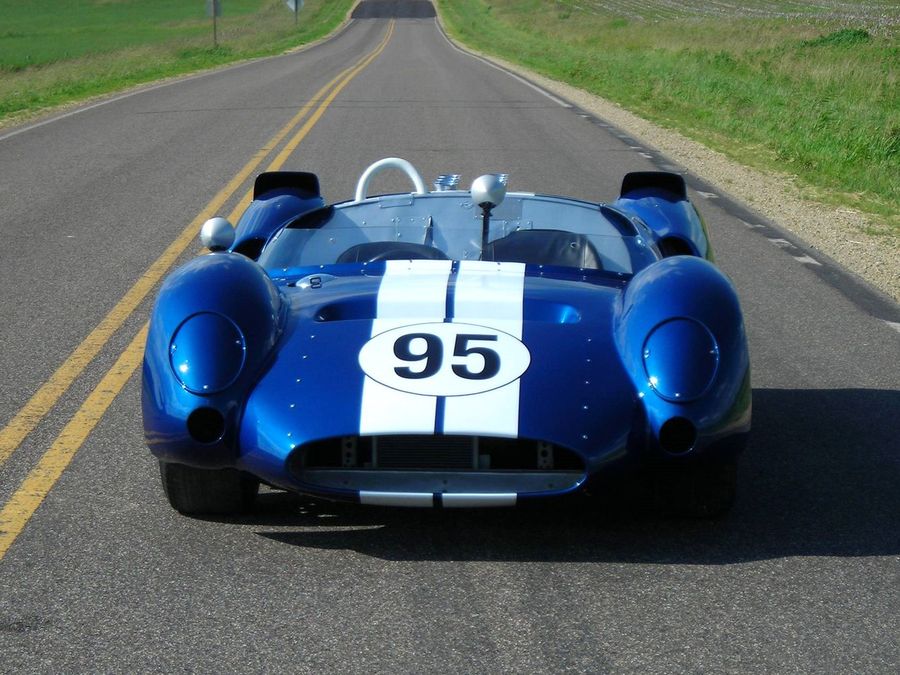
[196, 492]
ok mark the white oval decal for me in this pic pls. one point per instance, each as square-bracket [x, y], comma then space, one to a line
[444, 359]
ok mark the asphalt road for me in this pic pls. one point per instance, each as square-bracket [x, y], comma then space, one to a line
[803, 575]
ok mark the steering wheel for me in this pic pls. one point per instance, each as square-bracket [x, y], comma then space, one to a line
[376, 251]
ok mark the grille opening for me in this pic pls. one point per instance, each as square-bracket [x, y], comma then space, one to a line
[206, 425]
[426, 452]
[677, 435]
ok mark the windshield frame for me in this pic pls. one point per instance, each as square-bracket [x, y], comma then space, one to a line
[450, 222]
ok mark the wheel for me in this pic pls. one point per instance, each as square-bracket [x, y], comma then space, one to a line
[700, 490]
[193, 491]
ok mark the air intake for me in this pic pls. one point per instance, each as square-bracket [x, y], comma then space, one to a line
[677, 435]
[206, 425]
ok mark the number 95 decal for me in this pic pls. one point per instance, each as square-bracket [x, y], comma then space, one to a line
[444, 359]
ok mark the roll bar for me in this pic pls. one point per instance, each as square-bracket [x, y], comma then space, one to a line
[362, 186]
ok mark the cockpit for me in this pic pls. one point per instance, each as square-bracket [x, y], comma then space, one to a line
[483, 223]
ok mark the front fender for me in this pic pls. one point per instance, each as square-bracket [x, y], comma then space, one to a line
[673, 315]
[223, 290]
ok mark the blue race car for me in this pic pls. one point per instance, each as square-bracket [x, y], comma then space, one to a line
[455, 348]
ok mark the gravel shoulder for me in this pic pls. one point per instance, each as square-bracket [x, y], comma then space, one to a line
[839, 233]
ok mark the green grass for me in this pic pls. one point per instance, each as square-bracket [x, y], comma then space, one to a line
[58, 51]
[815, 97]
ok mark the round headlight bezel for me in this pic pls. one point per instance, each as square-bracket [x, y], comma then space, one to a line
[659, 354]
[212, 355]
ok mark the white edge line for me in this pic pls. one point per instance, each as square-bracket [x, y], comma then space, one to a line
[807, 260]
[558, 101]
[142, 89]
[894, 325]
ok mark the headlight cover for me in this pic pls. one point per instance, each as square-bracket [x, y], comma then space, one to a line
[681, 358]
[207, 353]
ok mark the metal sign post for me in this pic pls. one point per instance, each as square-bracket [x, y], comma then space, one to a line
[214, 9]
[295, 6]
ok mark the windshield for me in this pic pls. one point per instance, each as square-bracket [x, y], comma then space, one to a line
[526, 228]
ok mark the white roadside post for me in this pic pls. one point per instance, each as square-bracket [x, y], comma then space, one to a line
[295, 6]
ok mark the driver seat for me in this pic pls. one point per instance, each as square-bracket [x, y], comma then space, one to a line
[545, 247]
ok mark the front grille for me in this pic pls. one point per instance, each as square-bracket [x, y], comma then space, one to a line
[432, 452]
[425, 452]
[450, 465]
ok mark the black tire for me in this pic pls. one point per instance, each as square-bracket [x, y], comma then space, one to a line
[699, 490]
[195, 492]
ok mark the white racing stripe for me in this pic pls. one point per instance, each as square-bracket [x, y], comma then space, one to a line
[411, 292]
[414, 294]
[488, 294]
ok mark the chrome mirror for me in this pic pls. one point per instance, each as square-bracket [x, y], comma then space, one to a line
[217, 234]
[489, 190]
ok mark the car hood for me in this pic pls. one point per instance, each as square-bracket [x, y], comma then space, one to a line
[423, 347]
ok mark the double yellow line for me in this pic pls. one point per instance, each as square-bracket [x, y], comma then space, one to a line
[25, 501]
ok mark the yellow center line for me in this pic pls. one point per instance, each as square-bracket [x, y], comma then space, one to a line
[289, 148]
[37, 484]
[49, 393]
[18, 510]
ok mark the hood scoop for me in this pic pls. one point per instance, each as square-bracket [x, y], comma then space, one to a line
[362, 309]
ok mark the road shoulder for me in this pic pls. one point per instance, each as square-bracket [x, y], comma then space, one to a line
[838, 233]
